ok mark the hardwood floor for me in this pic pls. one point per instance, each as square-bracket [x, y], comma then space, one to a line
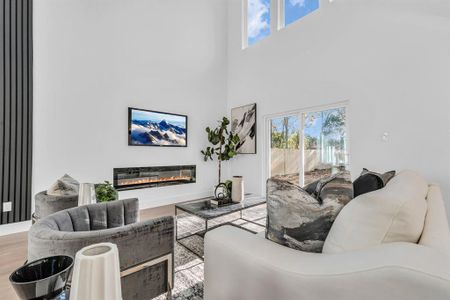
[13, 250]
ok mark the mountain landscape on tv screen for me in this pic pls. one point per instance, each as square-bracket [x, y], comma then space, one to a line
[161, 133]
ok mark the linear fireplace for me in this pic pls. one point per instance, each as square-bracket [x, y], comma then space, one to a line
[147, 177]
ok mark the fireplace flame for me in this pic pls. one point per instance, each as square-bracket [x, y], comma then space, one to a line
[146, 180]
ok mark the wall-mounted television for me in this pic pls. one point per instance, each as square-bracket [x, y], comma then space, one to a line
[156, 128]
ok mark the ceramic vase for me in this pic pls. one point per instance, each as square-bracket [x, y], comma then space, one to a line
[96, 274]
[237, 189]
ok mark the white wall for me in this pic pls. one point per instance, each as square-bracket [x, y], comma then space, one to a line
[390, 59]
[94, 58]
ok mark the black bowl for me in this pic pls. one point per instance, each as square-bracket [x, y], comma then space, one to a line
[42, 279]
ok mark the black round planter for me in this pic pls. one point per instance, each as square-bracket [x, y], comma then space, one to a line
[42, 279]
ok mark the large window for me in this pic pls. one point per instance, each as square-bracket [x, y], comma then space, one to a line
[285, 148]
[297, 9]
[308, 145]
[258, 20]
[324, 143]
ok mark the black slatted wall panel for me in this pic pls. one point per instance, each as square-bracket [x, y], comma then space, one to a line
[16, 110]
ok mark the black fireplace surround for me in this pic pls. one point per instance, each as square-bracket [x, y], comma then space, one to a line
[148, 177]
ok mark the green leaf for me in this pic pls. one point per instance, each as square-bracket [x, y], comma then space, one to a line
[105, 192]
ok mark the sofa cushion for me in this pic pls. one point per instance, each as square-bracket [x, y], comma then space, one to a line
[370, 181]
[395, 213]
[300, 221]
[65, 185]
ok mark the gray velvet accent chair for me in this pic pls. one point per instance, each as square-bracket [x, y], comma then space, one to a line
[145, 248]
[45, 204]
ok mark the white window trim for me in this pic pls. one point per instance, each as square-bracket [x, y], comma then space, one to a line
[300, 113]
[280, 14]
[244, 23]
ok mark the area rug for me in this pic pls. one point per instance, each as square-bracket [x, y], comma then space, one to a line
[189, 265]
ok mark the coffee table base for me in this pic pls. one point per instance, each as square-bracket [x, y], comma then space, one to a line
[202, 233]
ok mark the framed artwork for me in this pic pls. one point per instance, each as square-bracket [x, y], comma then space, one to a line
[243, 123]
[155, 128]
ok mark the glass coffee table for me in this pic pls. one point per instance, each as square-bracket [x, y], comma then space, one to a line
[206, 212]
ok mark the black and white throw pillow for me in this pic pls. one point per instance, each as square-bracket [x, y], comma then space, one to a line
[300, 221]
[370, 181]
[321, 188]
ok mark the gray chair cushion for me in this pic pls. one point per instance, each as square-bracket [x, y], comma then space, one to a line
[63, 221]
[98, 216]
[80, 218]
[116, 214]
[131, 211]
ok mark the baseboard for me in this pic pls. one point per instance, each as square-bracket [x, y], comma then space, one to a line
[14, 228]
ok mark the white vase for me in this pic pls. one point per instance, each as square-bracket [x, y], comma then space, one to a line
[237, 189]
[96, 274]
[86, 194]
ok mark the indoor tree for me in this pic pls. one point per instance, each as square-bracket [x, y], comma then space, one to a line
[224, 144]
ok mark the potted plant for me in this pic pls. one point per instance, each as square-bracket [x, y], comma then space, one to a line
[224, 144]
[105, 192]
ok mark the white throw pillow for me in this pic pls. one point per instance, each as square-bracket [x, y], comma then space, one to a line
[395, 213]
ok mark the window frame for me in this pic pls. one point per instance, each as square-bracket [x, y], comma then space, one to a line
[280, 15]
[300, 113]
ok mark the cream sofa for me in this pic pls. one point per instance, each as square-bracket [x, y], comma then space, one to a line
[240, 265]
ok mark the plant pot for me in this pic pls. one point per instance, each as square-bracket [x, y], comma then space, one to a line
[42, 279]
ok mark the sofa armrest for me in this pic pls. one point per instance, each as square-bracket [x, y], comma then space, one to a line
[240, 265]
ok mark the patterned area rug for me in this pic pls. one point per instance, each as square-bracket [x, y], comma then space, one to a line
[188, 263]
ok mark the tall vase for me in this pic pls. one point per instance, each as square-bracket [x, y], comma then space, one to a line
[237, 189]
[96, 274]
[86, 194]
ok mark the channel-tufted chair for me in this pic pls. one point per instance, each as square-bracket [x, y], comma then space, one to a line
[145, 248]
